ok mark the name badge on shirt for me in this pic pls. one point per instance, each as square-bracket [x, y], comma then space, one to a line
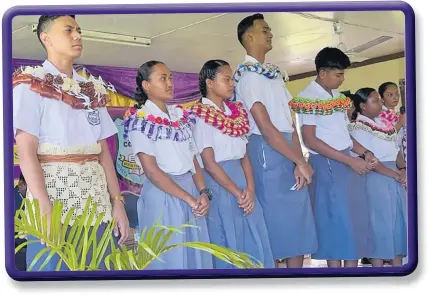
[94, 117]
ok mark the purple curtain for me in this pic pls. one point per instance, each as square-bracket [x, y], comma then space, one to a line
[185, 84]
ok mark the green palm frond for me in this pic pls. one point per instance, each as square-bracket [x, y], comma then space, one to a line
[74, 238]
[152, 245]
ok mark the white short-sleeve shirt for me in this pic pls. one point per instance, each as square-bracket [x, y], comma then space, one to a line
[225, 147]
[384, 150]
[272, 93]
[172, 157]
[55, 122]
[331, 129]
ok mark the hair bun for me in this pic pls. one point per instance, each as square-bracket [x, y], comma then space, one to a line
[354, 97]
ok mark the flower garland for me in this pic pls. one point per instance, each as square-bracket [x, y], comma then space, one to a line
[387, 132]
[155, 127]
[320, 107]
[389, 115]
[268, 70]
[78, 94]
[235, 125]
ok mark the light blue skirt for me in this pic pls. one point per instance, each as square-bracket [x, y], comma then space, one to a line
[341, 211]
[228, 227]
[387, 203]
[288, 214]
[157, 207]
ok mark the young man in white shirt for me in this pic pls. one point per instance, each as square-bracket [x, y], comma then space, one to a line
[61, 130]
[280, 170]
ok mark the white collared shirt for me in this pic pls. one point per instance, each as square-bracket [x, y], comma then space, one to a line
[55, 122]
[383, 150]
[225, 147]
[272, 93]
[172, 157]
[331, 129]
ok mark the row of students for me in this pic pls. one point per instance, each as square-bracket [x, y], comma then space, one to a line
[260, 179]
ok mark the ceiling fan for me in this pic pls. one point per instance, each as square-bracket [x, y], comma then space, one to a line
[353, 53]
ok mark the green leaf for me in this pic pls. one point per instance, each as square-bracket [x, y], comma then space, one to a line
[51, 254]
[37, 257]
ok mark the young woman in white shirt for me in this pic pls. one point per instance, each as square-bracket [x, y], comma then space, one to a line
[174, 191]
[236, 219]
[385, 186]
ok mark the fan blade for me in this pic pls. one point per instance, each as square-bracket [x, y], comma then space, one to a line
[357, 59]
[369, 44]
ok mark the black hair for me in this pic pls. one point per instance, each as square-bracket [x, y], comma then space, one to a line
[331, 58]
[361, 96]
[45, 21]
[383, 87]
[209, 71]
[21, 177]
[143, 74]
[246, 24]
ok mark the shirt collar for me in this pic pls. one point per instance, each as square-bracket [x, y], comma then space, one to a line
[50, 68]
[251, 59]
[364, 118]
[205, 100]
[322, 92]
[156, 111]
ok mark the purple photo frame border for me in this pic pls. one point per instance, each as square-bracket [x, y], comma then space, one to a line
[212, 8]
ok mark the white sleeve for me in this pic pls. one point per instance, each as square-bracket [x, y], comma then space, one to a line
[108, 127]
[252, 89]
[364, 138]
[140, 143]
[27, 110]
[307, 119]
[203, 135]
[288, 94]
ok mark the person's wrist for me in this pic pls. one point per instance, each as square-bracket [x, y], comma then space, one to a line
[350, 160]
[301, 162]
[117, 200]
[189, 199]
[207, 192]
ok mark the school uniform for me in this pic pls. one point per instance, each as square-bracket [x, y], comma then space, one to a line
[386, 196]
[174, 153]
[287, 212]
[337, 192]
[228, 226]
[63, 131]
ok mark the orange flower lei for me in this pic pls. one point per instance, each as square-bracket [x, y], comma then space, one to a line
[235, 125]
[320, 107]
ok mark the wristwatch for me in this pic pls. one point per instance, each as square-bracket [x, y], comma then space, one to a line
[208, 192]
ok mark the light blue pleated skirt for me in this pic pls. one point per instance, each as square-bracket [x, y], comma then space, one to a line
[387, 204]
[341, 211]
[287, 213]
[157, 207]
[228, 227]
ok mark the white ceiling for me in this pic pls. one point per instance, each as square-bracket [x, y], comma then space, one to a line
[185, 41]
